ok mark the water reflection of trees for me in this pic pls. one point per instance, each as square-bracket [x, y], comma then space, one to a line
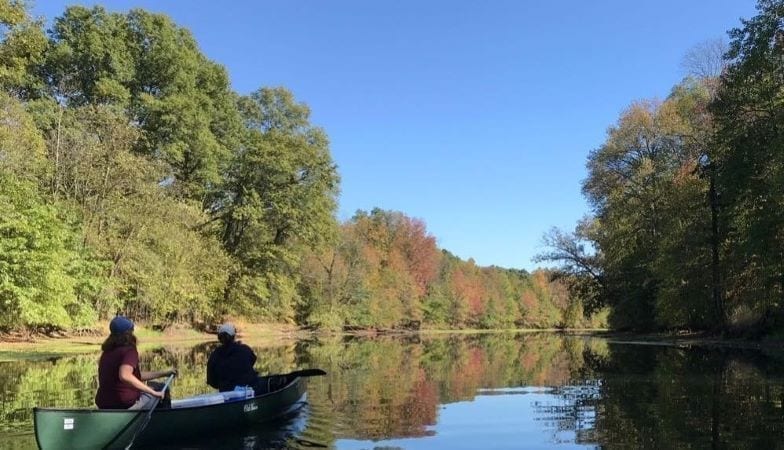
[385, 388]
[662, 397]
[376, 388]
[622, 397]
[24, 384]
[619, 396]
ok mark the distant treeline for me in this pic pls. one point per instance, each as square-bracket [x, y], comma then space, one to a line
[687, 229]
[134, 180]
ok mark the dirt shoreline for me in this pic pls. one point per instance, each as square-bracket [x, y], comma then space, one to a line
[262, 334]
[692, 339]
[91, 341]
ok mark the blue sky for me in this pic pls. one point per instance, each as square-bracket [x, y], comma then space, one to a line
[475, 117]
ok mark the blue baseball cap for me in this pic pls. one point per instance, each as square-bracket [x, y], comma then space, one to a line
[120, 324]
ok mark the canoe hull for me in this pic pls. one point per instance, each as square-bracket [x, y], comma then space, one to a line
[95, 429]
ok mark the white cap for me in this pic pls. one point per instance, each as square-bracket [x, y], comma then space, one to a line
[228, 329]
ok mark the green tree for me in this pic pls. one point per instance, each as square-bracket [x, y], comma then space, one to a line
[334, 282]
[688, 287]
[580, 263]
[22, 148]
[43, 280]
[277, 200]
[655, 233]
[749, 111]
[22, 47]
[626, 189]
[156, 260]
[154, 70]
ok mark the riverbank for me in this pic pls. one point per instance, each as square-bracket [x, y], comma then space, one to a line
[693, 339]
[39, 345]
[246, 330]
[263, 334]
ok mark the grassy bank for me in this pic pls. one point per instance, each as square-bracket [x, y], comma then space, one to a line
[14, 346]
[40, 346]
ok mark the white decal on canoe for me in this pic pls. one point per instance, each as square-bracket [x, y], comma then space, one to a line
[250, 407]
[68, 423]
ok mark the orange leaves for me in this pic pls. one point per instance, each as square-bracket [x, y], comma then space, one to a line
[540, 280]
[420, 252]
[387, 272]
[392, 261]
[529, 300]
[466, 283]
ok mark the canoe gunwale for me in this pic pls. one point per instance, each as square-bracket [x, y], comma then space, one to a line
[162, 410]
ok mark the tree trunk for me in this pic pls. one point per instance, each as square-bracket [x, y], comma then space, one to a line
[718, 300]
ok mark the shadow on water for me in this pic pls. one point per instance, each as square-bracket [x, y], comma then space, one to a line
[282, 433]
[500, 390]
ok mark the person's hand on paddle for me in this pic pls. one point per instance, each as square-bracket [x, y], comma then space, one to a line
[172, 371]
[154, 393]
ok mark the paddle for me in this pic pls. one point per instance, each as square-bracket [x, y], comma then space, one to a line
[275, 382]
[302, 373]
[149, 413]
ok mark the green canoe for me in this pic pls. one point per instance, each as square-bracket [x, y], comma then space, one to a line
[114, 428]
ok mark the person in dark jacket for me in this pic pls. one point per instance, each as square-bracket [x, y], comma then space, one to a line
[231, 363]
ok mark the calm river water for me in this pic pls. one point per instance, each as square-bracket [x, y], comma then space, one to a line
[504, 390]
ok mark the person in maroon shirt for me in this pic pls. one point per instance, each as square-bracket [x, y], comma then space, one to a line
[120, 382]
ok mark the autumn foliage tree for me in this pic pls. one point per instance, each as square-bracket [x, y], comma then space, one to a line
[687, 196]
[385, 271]
[136, 181]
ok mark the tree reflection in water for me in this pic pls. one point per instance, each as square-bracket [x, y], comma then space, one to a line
[378, 391]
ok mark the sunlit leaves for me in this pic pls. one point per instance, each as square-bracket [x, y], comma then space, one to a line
[153, 69]
[22, 47]
[39, 263]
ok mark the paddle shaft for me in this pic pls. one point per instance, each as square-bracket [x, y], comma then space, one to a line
[149, 413]
[278, 381]
[302, 373]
